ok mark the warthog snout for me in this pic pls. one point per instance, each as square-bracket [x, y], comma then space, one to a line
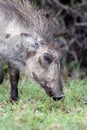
[58, 97]
[54, 91]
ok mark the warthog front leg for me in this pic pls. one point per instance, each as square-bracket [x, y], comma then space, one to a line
[14, 78]
[1, 74]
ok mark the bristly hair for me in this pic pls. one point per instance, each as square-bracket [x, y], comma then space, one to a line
[26, 14]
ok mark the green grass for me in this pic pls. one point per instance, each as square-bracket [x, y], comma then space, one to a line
[36, 111]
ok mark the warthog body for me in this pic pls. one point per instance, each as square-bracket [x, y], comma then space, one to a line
[25, 43]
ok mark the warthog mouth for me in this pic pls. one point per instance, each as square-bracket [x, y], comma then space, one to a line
[48, 90]
[54, 96]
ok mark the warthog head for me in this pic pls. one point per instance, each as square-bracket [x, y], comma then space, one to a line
[44, 67]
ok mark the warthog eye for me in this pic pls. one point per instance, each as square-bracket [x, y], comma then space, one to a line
[48, 58]
[45, 60]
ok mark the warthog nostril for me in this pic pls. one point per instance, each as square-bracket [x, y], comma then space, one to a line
[58, 97]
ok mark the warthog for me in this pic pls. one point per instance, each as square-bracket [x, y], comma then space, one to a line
[26, 45]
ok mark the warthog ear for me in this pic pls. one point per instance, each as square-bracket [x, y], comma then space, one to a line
[29, 42]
